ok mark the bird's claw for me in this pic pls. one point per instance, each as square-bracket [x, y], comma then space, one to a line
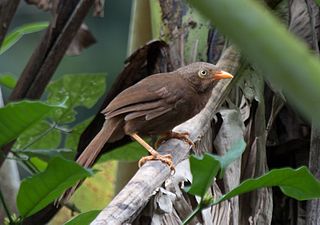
[184, 136]
[167, 159]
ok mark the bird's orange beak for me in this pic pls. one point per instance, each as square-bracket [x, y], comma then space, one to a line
[219, 75]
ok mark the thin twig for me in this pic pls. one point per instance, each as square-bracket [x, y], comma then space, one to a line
[39, 137]
[193, 214]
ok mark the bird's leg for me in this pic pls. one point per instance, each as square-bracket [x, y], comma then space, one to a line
[154, 154]
[184, 136]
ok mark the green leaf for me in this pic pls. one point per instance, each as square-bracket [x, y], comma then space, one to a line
[17, 117]
[8, 80]
[130, 152]
[38, 191]
[40, 164]
[44, 154]
[40, 136]
[77, 90]
[266, 42]
[17, 34]
[203, 170]
[84, 218]
[74, 136]
[298, 183]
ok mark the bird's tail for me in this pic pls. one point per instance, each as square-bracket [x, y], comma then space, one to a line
[91, 152]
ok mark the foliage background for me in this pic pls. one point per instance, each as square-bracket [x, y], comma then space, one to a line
[71, 65]
[106, 56]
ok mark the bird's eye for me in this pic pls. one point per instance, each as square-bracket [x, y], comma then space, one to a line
[202, 73]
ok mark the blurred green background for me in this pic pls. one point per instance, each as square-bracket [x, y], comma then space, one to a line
[107, 55]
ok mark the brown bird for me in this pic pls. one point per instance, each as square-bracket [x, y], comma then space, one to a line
[155, 105]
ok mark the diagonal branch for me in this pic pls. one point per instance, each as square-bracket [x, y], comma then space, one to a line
[7, 10]
[47, 56]
[45, 59]
[134, 196]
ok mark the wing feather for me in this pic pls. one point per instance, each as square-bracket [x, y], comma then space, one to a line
[146, 99]
[154, 114]
[134, 108]
[148, 114]
[143, 91]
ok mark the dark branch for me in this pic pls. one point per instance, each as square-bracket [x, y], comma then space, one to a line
[7, 10]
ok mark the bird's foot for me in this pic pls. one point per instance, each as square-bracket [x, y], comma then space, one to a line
[167, 159]
[184, 136]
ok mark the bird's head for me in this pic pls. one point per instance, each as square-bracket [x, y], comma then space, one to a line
[203, 76]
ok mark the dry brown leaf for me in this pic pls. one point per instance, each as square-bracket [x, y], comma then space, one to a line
[45, 5]
[302, 23]
[222, 213]
[98, 8]
[83, 39]
[231, 131]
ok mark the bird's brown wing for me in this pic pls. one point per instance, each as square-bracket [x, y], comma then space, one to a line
[145, 106]
[148, 114]
[151, 98]
[138, 93]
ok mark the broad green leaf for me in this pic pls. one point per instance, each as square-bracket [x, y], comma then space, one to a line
[203, 171]
[17, 117]
[15, 36]
[298, 183]
[44, 154]
[130, 152]
[40, 164]
[8, 80]
[38, 191]
[40, 136]
[84, 218]
[205, 168]
[77, 90]
[278, 54]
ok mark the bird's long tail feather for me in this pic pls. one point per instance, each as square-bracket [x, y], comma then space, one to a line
[91, 152]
